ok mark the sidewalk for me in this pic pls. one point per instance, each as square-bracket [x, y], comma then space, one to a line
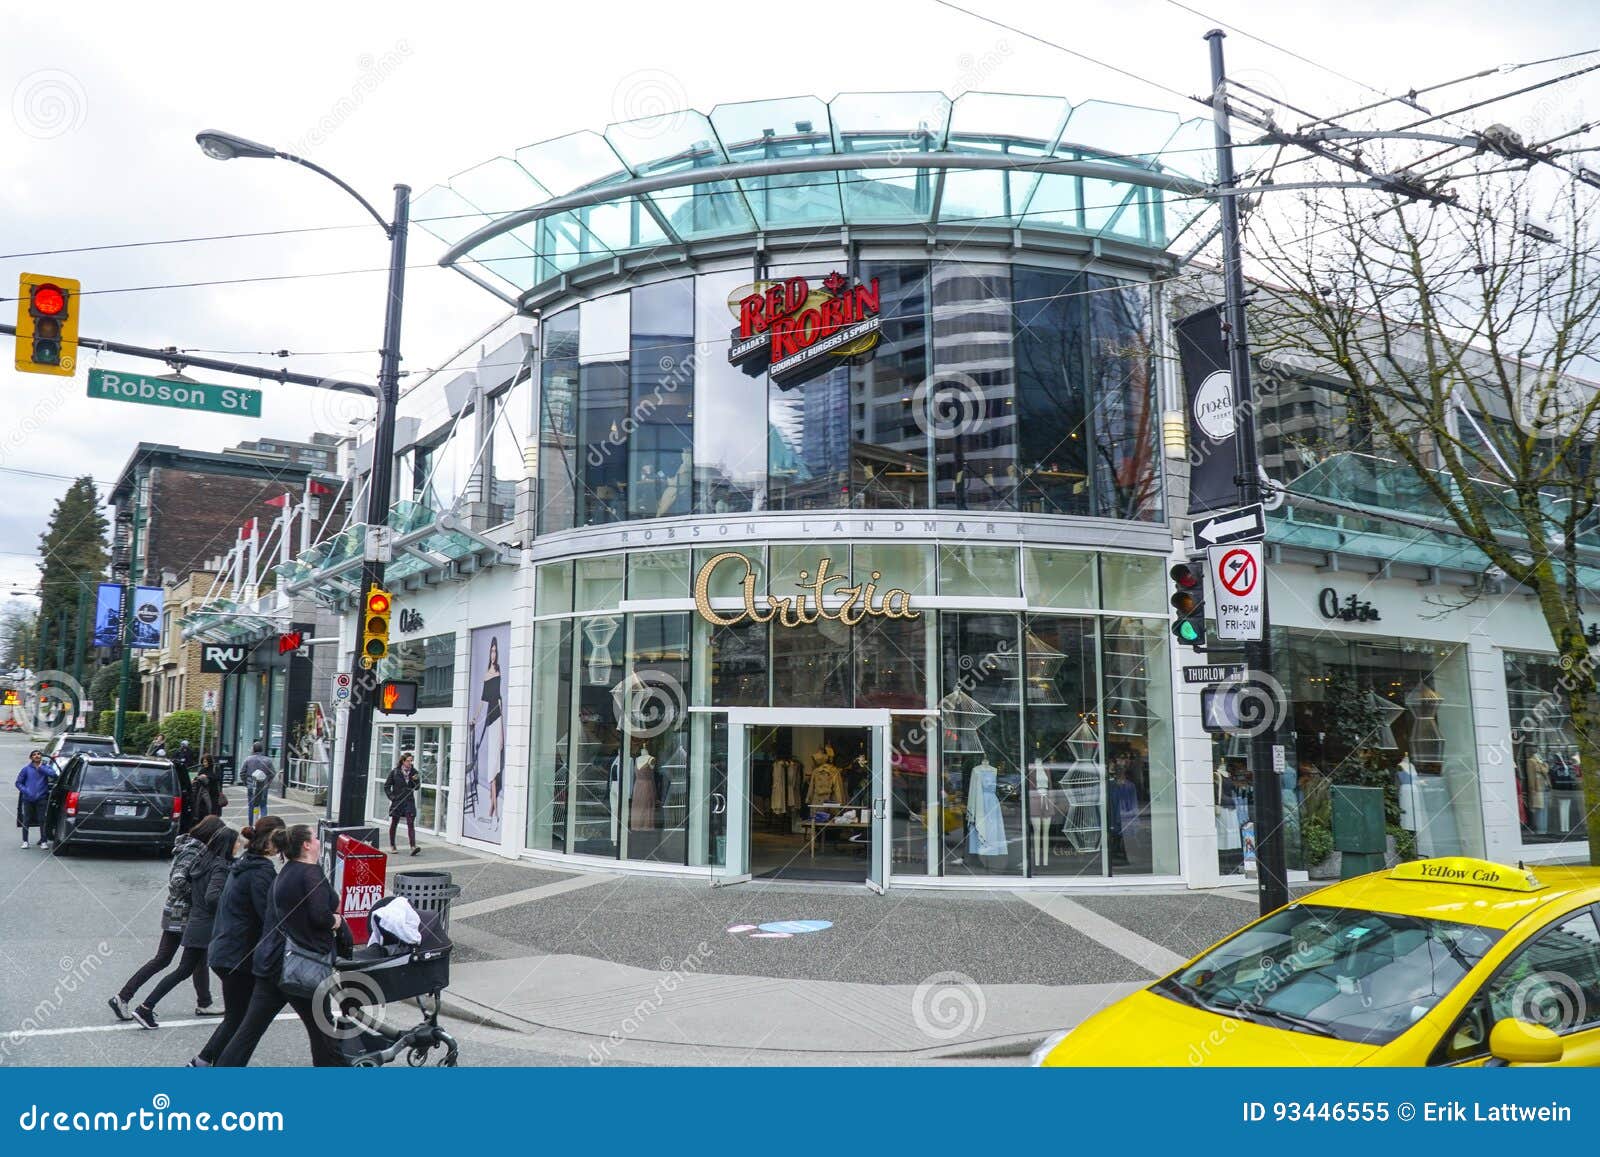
[622, 967]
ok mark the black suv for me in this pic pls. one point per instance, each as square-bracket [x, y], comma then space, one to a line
[117, 800]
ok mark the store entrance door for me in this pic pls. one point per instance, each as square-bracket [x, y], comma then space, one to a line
[808, 796]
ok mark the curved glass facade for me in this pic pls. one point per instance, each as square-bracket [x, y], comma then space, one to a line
[1035, 727]
[802, 163]
[991, 387]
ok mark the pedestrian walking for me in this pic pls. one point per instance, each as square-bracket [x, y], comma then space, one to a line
[206, 790]
[401, 787]
[207, 874]
[174, 915]
[33, 793]
[303, 910]
[241, 915]
[258, 774]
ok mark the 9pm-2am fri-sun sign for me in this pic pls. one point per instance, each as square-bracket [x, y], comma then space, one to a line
[179, 393]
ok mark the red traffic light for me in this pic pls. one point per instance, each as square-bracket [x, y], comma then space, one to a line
[377, 603]
[1185, 576]
[48, 300]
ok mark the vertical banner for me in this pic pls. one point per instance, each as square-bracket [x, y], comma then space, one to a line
[1208, 405]
[483, 788]
[147, 616]
[108, 615]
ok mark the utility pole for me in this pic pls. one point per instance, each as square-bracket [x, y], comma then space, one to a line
[129, 591]
[358, 722]
[1272, 875]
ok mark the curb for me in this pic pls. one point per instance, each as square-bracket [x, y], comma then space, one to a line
[1016, 1045]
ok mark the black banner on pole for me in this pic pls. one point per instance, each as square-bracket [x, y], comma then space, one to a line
[1208, 407]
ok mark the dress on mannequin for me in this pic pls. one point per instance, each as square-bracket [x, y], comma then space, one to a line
[986, 835]
[642, 804]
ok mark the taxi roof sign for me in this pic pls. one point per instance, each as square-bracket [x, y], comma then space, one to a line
[1471, 872]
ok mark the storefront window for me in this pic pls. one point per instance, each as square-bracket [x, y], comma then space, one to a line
[1141, 773]
[980, 717]
[1549, 779]
[654, 700]
[552, 723]
[990, 705]
[1394, 714]
[1064, 778]
[594, 807]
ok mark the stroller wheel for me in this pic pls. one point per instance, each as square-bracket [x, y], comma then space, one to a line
[417, 1057]
[365, 1063]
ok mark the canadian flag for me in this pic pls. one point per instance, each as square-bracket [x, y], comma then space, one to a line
[315, 488]
[247, 529]
[281, 500]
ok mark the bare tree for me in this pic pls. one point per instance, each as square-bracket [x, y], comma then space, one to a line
[1468, 340]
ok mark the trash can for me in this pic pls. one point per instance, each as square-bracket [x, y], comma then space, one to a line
[428, 892]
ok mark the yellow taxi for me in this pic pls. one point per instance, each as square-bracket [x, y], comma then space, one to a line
[1452, 961]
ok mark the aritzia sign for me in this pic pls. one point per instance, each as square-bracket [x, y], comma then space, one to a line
[795, 332]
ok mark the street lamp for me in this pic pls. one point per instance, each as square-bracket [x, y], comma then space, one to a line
[358, 736]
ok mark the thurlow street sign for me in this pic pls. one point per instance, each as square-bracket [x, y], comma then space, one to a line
[178, 393]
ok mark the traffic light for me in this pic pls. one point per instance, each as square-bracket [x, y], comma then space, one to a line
[397, 697]
[1189, 603]
[47, 325]
[375, 625]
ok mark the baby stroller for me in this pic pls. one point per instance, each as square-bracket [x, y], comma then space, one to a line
[391, 970]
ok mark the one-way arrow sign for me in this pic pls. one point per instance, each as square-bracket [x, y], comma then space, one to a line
[1247, 524]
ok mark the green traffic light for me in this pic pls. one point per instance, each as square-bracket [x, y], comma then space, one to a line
[1187, 633]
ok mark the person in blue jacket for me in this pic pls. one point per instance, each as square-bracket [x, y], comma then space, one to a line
[33, 790]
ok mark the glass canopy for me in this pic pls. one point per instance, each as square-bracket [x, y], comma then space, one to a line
[804, 163]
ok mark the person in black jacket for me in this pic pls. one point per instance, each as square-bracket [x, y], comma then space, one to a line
[241, 914]
[207, 873]
[401, 787]
[302, 907]
[206, 790]
[174, 915]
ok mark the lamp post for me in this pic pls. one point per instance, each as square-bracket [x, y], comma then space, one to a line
[358, 734]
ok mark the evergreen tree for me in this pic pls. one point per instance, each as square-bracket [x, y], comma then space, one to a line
[74, 556]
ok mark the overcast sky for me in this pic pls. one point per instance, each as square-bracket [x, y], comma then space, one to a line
[106, 99]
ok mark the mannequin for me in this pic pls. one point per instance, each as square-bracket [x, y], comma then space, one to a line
[1537, 772]
[1040, 814]
[826, 781]
[986, 831]
[642, 802]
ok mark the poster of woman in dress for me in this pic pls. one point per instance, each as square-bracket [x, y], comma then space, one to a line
[486, 735]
